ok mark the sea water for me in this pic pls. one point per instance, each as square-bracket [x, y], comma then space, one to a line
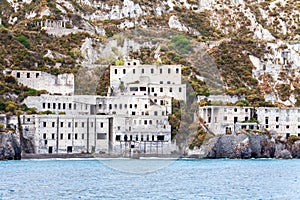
[150, 179]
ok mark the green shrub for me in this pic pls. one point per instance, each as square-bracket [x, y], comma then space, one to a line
[181, 44]
[23, 40]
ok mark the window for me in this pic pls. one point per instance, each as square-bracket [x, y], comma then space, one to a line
[76, 124]
[76, 136]
[116, 71]
[28, 75]
[74, 106]
[162, 113]
[69, 136]
[44, 105]
[44, 136]
[143, 71]
[44, 124]
[70, 106]
[92, 124]
[152, 71]
[101, 136]
[53, 124]
[161, 82]
[152, 89]
[120, 106]
[69, 124]
[61, 124]
[133, 71]
[235, 109]
[171, 90]
[37, 75]
[61, 136]
[146, 105]
[124, 71]
[59, 105]
[277, 119]
[287, 126]
[116, 106]
[136, 138]
[161, 89]
[135, 105]
[150, 121]
[18, 74]
[118, 137]
[147, 137]
[155, 113]
[142, 138]
[54, 105]
[130, 105]
[64, 106]
[160, 71]
[143, 89]
[133, 113]
[177, 70]
[277, 126]
[179, 89]
[225, 118]
[119, 128]
[82, 124]
[101, 124]
[169, 71]
[145, 122]
[49, 105]
[168, 82]
[53, 136]
[82, 136]
[246, 109]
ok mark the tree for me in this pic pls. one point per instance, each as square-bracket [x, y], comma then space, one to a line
[182, 44]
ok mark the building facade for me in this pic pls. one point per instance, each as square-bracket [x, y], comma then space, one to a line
[134, 114]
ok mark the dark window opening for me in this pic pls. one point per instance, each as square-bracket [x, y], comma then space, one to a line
[160, 137]
[118, 137]
[69, 149]
[50, 150]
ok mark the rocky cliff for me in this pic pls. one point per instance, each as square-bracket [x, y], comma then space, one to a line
[10, 148]
[247, 146]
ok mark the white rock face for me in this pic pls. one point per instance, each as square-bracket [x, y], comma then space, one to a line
[175, 24]
[30, 15]
[45, 12]
[126, 24]
[283, 57]
[66, 4]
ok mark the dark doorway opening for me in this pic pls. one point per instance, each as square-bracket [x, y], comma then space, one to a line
[69, 149]
[50, 150]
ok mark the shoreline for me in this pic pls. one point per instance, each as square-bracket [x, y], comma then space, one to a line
[96, 156]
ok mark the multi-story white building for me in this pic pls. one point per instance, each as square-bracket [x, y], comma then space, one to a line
[227, 119]
[283, 121]
[137, 108]
[153, 80]
[67, 133]
[232, 119]
[61, 84]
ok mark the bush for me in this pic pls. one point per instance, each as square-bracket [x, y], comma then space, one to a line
[182, 44]
[23, 40]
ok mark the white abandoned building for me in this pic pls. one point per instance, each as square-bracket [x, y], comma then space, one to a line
[231, 119]
[134, 115]
[60, 84]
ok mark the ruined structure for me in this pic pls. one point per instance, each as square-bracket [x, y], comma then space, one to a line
[134, 115]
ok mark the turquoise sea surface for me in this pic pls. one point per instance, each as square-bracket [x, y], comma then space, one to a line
[150, 179]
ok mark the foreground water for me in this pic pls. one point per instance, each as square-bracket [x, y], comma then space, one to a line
[181, 179]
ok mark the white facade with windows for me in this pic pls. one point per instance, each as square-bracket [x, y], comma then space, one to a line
[226, 119]
[283, 121]
[134, 114]
[61, 84]
[67, 133]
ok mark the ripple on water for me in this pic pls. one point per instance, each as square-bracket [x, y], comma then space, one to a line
[180, 179]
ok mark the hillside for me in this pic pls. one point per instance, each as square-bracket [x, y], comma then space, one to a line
[238, 47]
